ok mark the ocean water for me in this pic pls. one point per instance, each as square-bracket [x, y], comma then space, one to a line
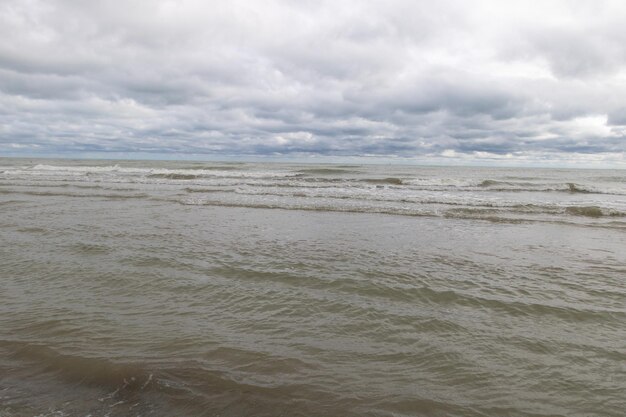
[247, 289]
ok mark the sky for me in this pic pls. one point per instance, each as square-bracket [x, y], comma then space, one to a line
[495, 82]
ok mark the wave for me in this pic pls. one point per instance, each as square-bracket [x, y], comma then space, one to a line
[516, 213]
[570, 187]
[91, 371]
[165, 173]
[67, 185]
[391, 201]
[35, 230]
[585, 211]
[589, 211]
[389, 180]
[74, 195]
[123, 388]
[574, 188]
[81, 168]
[491, 183]
[327, 171]
[463, 204]
[11, 202]
[217, 167]
[318, 175]
[208, 190]
[303, 207]
[175, 176]
[98, 187]
[565, 312]
[10, 184]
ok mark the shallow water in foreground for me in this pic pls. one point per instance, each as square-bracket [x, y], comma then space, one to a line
[162, 288]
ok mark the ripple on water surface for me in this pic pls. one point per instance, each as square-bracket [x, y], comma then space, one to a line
[146, 306]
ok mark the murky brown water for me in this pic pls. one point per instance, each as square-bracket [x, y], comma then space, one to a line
[162, 289]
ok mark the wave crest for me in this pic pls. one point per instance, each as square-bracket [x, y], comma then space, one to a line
[175, 176]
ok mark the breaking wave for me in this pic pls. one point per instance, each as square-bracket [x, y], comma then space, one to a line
[574, 188]
[441, 209]
[571, 196]
[327, 171]
[591, 211]
[390, 181]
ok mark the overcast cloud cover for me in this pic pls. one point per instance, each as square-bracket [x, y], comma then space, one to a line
[519, 82]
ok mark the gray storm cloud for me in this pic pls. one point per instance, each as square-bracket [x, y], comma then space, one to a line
[461, 80]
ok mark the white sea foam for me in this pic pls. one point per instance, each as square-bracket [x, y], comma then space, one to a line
[164, 172]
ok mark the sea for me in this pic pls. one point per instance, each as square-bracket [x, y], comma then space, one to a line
[165, 288]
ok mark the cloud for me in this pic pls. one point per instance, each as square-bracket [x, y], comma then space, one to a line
[393, 78]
